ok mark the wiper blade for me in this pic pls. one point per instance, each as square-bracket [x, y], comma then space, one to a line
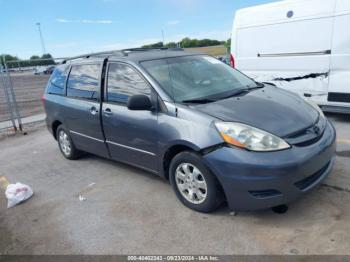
[236, 93]
[198, 101]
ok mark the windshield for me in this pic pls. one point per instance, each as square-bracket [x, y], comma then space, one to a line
[201, 78]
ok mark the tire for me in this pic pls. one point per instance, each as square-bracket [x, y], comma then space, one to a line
[201, 191]
[66, 145]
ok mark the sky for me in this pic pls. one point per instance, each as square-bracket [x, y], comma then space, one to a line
[73, 27]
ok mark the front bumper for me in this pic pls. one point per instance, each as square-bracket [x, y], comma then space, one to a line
[259, 180]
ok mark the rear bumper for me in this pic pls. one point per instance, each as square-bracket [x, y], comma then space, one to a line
[48, 124]
[256, 180]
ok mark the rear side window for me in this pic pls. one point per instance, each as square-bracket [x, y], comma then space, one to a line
[58, 80]
[123, 81]
[83, 82]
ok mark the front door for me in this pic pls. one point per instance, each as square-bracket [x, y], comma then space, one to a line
[131, 136]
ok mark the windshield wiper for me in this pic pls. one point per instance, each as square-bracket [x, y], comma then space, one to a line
[198, 101]
[240, 91]
[235, 93]
[258, 85]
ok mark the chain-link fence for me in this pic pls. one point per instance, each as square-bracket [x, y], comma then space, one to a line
[4, 110]
[9, 98]
[21, 88]
[29, 89]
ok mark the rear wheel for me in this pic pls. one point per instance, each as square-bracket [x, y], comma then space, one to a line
[194, 184]
[66, 145]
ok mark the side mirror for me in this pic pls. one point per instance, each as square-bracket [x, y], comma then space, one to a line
[139, 102]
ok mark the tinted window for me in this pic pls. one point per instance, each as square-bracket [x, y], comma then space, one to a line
[58, 80]
[83, 81]
[123, 81]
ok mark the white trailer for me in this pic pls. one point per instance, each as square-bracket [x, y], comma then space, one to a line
[299, 45]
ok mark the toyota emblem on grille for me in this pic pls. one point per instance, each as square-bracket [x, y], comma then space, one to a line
[317, 130]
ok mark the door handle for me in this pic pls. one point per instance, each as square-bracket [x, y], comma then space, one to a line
[93, 110]
[107, 112]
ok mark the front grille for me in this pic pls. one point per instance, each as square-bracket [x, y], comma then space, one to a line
[309, 135]
[309, 142]
[265, 193]
[310, 180]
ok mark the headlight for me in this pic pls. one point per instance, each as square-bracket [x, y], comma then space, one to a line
[249, 137]
[315, 106]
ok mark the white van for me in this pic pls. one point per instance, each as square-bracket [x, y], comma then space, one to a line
[299, 45]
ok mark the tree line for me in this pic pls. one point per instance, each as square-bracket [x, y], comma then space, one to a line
[188, 42]
[47, 59]
[35, 60]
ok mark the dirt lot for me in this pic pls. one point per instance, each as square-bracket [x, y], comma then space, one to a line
[28, 89]
[218, 50]
[129, 211]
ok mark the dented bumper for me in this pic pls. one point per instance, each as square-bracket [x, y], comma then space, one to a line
[256, 180]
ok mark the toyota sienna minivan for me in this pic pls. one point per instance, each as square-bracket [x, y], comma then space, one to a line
[214, 133]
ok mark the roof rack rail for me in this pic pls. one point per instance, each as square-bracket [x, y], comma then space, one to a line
[113, 52]
[123, 52]
[143, 49]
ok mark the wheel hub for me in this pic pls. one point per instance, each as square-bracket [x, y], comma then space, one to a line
[64, 143]
[191, 183]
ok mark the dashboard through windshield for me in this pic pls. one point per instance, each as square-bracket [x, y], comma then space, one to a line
[199, 77]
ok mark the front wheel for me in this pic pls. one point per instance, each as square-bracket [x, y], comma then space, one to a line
[193, 183]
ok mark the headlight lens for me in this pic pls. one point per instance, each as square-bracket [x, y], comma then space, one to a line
[249, 137]
[315, 106]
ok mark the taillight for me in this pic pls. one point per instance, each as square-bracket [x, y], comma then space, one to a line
[232, 61]
[43, 99]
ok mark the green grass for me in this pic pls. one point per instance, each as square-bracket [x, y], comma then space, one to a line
[217, 50]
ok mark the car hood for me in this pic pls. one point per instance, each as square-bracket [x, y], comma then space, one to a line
[270, 108]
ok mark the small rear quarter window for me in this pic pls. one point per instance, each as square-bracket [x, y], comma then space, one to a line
[57, 80]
